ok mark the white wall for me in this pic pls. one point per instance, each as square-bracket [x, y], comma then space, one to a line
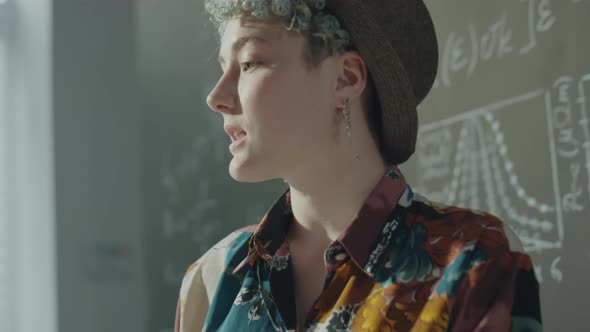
[97, 161]
[70, 159]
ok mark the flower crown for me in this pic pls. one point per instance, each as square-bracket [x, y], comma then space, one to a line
[302, 15]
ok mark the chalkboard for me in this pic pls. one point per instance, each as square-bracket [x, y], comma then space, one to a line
[505, 129]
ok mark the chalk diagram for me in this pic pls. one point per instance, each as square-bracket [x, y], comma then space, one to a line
[466, 161]
[194, 202]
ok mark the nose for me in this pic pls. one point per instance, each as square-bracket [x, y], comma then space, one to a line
[222, 97]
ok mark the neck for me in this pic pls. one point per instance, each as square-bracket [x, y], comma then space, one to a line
[324, 205]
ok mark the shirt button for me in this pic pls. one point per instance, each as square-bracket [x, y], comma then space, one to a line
[341, 256]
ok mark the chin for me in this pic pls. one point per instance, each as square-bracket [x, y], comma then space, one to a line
[247, 172]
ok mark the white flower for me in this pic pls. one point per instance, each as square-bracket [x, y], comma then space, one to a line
[317, 4]
[248, 5]
[281, 7]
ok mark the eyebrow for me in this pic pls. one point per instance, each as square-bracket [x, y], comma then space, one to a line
[240, 43]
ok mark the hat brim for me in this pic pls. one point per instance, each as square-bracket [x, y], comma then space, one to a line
[397, 40]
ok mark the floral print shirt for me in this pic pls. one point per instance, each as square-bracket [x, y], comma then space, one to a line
[402, 264]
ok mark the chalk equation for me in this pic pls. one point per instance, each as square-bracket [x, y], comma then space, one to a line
[194, 207]
[533, 175]
[190, 209]
[464, 51]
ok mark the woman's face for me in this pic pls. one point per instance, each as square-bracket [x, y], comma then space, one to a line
[287, 110]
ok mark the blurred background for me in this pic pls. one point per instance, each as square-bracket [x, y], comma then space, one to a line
[113, 172]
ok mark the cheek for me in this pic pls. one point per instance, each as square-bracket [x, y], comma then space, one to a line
[267, 95]
[305, 122]
[263, 100]
[289, 109]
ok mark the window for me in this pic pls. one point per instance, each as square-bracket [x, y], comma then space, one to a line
[6, 245]
[27, 226]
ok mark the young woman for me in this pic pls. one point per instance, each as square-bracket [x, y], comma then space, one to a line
[323, 94]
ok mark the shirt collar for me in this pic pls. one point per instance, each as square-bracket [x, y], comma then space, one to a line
[360, 236]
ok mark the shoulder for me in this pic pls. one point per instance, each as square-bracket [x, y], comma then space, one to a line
[202, 277]
[206, 271]
[463, 241]
[229, 245]
[462, 226]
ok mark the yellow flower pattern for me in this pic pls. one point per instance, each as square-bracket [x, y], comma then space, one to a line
[402, 265]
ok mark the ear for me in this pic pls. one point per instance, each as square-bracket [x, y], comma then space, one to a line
[352, 75]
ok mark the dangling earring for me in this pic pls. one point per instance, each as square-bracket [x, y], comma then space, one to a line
[346, 115]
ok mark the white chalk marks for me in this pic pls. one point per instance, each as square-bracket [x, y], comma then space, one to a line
[514, 31]
[472, 160]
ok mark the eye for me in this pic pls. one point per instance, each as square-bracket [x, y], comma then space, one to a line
[247, 65]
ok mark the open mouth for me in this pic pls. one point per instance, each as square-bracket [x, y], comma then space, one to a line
[237, 135]
[237, 138]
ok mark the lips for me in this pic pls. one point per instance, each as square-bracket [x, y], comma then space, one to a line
[237, 135]
[234, 132]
